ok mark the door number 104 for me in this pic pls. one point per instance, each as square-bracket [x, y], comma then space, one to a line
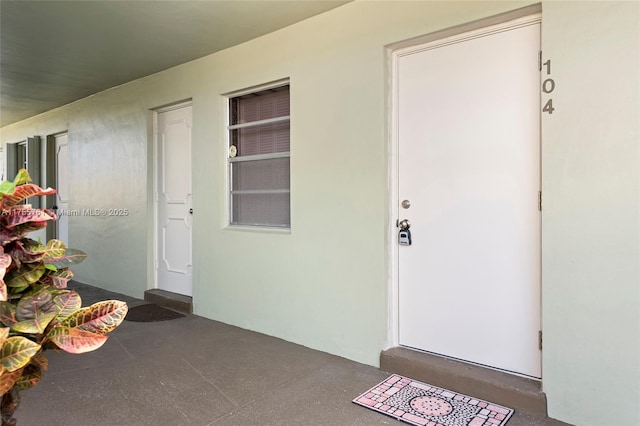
[548, 86]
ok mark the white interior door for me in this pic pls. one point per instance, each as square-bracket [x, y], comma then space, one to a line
[62, 188]
[174, 200]
[469, 165]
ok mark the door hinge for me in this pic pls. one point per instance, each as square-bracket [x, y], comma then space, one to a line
[540, 339]
[540, 201]
[540, 60]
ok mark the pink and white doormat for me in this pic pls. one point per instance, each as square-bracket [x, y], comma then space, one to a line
[421, 404]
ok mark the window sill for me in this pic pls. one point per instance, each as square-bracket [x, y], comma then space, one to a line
[258, 229]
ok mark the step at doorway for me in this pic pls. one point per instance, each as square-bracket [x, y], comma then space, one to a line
[519, 393]
[175, 301]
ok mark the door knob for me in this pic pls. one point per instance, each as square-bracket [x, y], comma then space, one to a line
[190, 211]
[404, 224]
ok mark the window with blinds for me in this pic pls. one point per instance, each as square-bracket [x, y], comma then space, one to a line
[259, 141]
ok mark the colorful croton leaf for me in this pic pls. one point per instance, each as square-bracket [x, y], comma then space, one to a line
[30, 251]
[31, 376]
[57, 278]
[4, 334]
[70, 257]
[55, 249]
[34, 312]
[76, 341]
[100, 318]
[68, 302]
[22, 177]
[21, 193]
[23, 214]
[8, 380]
[5, 262]
[7, 314]
[37, 312]
[16, 352]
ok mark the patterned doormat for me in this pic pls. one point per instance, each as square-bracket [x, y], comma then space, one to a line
[421, 404]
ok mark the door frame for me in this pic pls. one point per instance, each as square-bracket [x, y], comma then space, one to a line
[51, 176]
[514, 19]
[56, 168]
[154, 178]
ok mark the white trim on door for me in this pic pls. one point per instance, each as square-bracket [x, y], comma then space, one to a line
[62, 224]
[516, 19]
[156, 111]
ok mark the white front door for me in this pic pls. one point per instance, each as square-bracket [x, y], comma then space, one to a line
[469, 170]
[174, 200]
[62, 188]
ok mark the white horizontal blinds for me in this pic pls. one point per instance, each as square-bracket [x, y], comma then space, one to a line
[267, 209]
[254, 137]
[262, 175]
[259, 174]
[264, 139]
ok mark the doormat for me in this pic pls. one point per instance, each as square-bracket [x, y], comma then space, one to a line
[151, 312]
[421, 404]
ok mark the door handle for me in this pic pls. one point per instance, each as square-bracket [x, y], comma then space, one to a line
[190, 211]
[404, 224]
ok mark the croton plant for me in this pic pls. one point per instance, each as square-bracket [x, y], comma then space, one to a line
[37, 311]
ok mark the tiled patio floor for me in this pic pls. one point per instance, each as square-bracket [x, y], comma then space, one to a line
[194, 371]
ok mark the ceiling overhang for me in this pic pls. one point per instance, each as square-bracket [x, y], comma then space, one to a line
[56, 52]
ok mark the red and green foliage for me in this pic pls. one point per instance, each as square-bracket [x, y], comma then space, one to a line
[37, 311]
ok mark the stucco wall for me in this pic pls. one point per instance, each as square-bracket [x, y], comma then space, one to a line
[591, 282]
[325, 283]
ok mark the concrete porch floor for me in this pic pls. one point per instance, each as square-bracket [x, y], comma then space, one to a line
[195, 371]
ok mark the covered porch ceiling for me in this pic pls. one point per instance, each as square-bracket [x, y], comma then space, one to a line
[56, 52]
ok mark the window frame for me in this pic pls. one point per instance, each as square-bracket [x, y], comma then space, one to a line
[25, 154]
[255, 157]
